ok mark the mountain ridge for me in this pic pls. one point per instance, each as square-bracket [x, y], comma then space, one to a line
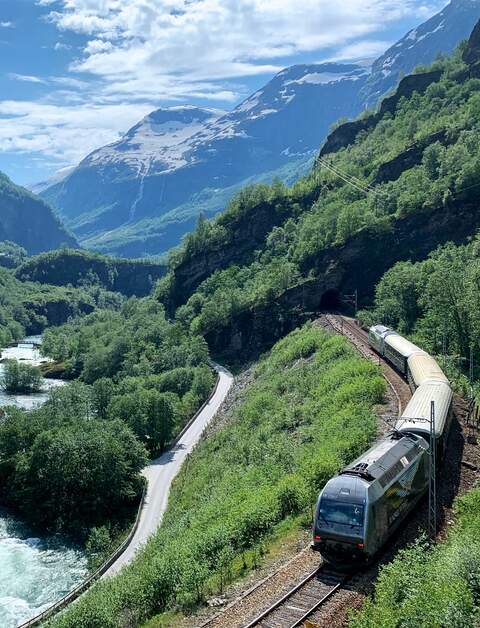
[144, 208]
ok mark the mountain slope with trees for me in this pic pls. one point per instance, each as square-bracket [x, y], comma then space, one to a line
[28, 221]
[139, 195]
[406, 181]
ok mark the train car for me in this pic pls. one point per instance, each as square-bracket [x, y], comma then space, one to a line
[398, 350]
[416, 417]
[359, 509]
[377, 335]
[423, 368]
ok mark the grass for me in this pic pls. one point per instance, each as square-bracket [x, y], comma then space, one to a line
[430, 587]
[250, 485]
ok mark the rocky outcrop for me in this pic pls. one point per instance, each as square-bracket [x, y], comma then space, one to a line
[346, 134]
[471, 55]
[357, 265]
[76, 267]
[55, 311]
[391, 170]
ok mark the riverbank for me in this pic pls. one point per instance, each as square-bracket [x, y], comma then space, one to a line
[35, 571]
[27, 351]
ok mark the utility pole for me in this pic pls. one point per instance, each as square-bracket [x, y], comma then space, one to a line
[356, 302]
[471, 365]
[444, 345]
[432, 478]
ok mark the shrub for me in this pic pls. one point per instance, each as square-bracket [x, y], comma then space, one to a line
[20, 378]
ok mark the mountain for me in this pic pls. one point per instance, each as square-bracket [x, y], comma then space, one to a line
[28, 221]
[395, 192]
[440, 34]
[59, 176]
[178, 158]
[141, 194]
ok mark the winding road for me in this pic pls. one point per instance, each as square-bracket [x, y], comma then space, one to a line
[161, 472]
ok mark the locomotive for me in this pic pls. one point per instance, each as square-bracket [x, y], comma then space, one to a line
[361, 507]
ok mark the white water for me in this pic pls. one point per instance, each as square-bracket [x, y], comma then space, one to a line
[27, 353]
[34, 572]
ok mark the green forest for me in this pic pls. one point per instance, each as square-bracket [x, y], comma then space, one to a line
[151, 373]
[308, 411]
[324, 212]
[141, 368]
[28, 307]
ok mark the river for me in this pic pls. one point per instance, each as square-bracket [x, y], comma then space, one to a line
[34, 572]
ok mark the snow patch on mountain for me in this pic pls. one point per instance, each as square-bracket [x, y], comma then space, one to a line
[161, 137]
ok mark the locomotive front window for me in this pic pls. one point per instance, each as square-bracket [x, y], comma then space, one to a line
[340, 512]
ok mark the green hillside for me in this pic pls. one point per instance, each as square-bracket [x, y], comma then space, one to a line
[397, 184]
[79, 268]
[28, 221]
[28, 308]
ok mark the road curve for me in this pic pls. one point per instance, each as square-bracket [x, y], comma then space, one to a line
[161, 472]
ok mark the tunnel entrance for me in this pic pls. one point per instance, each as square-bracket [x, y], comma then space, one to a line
[331, 301]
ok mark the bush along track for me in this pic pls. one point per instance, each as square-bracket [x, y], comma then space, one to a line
[308, 411]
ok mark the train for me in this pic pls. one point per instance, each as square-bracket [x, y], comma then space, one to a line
[360, 508]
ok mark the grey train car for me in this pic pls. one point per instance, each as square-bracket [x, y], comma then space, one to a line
[415, 418]
[361, 507]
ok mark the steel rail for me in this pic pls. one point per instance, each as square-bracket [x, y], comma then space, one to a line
[283, 599]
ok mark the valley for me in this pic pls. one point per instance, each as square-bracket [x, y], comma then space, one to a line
[203, 287]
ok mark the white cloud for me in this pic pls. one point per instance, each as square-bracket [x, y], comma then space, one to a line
[61, 46]
[7, 25]
[139, 52]
[63, 133]
[25, 78]
[145, 47]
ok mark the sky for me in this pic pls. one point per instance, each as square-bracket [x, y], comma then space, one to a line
[77, 74]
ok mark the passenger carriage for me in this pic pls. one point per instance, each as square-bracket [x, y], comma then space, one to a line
[363, 505]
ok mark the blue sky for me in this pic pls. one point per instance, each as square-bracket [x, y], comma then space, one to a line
[74, 74]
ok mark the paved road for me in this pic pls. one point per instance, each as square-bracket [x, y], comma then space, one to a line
[161, 472]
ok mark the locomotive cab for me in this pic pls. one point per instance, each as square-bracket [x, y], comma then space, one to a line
[365, 503]
[340, 521]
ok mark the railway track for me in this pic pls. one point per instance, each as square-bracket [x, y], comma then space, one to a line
[302, 601]
[306, 598]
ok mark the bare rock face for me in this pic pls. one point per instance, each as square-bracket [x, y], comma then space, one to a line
[471, 56]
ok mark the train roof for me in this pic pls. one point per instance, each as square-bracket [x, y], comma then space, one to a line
[416, 416]
[387, 458]
[402, 345]
[424, 368]
[381, 330]
[345, 488]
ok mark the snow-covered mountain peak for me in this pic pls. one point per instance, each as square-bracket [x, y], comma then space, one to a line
[158, 137]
